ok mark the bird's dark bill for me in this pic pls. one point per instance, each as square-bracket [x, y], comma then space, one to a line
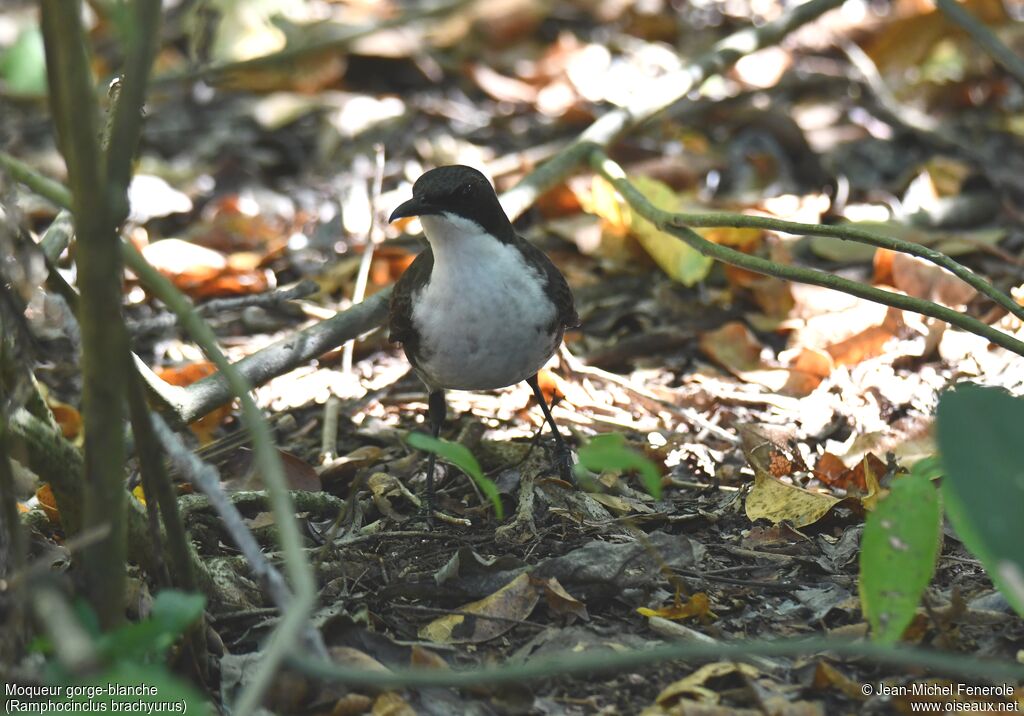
[413, 207]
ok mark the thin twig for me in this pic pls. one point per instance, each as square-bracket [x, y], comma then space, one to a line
[206, 479]
[57, 236]
[44, 186]
[595, 662]
[276, 359]
[271, 298]
[676, 225]
[329, 434]
[852, 233]
[373, 237]
[268, 459]
[981, 34]
[663, 97]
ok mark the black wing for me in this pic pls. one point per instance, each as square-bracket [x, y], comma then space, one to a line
[400, 328]
[556, 284]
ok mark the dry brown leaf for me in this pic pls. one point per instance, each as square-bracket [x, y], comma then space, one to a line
[204, 273]
[501, 87]
[240, 472]
[923, 279]
[422, 657]
[828, 677]
[869, 343]
[382, 487]
[68, 418]
[562, 603]
[733, 346]
[48, 502]
[513, 602]
[695, 686]
[392, 704]
[352, 705]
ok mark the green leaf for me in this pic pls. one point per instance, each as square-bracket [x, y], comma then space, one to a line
[133, 683]
[610, 452]
[462, 458]
[171, 615]
[979, 437]
[898, 553]
[930, 467]
[23, 66]
[680, 261]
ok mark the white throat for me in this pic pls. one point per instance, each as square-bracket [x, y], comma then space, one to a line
[484, 319]
[450, 234]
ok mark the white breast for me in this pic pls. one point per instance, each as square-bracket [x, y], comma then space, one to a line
[483, 319]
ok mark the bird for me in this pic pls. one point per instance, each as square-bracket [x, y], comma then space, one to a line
[481, 308]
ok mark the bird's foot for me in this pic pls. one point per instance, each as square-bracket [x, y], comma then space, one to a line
[564, 463]
[426, 511]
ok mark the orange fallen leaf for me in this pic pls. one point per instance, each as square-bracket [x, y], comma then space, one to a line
[68, 418]
[696, 607]
[733, 346]
[187, 374]
[49, 503]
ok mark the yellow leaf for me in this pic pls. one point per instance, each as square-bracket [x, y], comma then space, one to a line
[776, 501]
[694, 685]
[606, 203]
[698, 606]
[875, 491]
[510, 604]
[680, 262]
[677, 259]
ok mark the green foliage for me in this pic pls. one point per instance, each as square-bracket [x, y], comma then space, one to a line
[133, 656]
[171, 615]
[132, 683]
[23, 65]
[461, 458]
[610, 452]
[898, 553]
[979, 436]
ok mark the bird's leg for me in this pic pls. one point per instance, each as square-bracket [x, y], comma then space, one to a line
[436, 410]
[562, 454]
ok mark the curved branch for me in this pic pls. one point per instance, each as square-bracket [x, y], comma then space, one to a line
[674, 224]
[587, 664]
[861, 236]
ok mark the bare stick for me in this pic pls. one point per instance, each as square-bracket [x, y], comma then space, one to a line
[373, 237]
[206, 479]
[294, 619]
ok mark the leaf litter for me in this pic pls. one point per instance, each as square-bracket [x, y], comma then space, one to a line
[774, 415]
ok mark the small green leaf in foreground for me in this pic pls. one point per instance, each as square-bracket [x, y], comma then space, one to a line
[979, 436]
[898, 553]
[610, 452]
[461, 458]
[172, 613]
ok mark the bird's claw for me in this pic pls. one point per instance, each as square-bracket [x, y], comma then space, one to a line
[563, 460]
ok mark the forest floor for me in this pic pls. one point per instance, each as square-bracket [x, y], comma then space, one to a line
[775, 413]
